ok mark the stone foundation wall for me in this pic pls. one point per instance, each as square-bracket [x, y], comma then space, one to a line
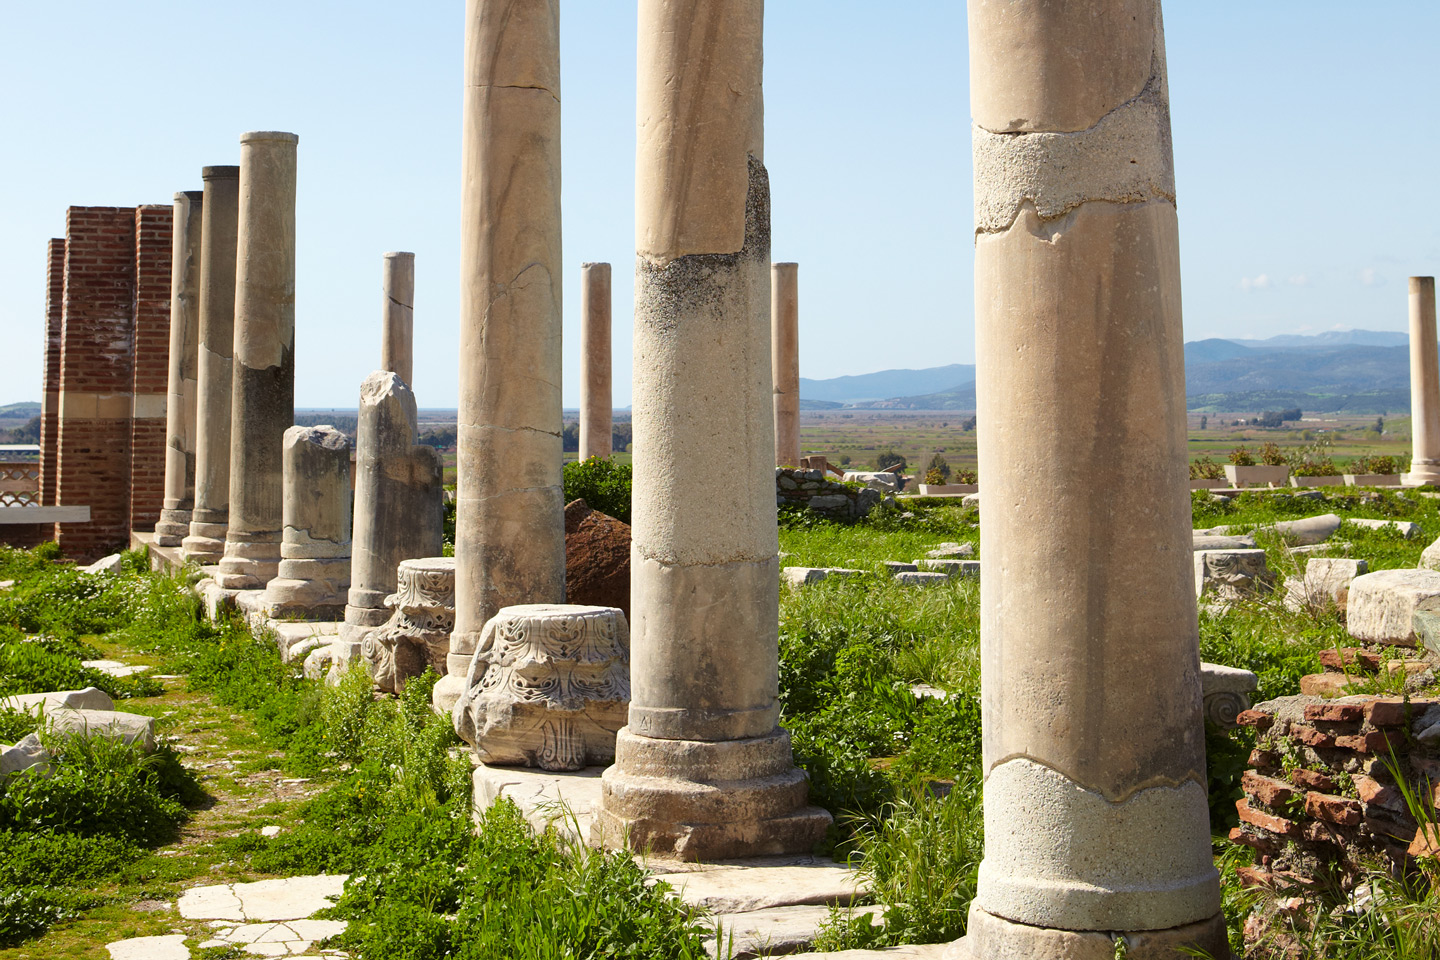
[1322, 798]
[810, 488]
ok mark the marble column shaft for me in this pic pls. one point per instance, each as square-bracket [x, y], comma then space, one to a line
[1096, 819]
[704, 560]
[263, 405]
[397, 326]
[177, 509]
[509, 525]
[399, 506]
[219, 229]
[785, 360]
[1424, 385]
[597, 404]
[314, 568]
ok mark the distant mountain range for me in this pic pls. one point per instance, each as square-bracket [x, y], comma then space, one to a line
[1339, 371]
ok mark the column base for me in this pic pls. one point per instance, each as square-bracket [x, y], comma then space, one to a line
[1419, 478]
[249, 565]
[206, 543]
[362, 620]
[989, 937]
[700, 800]
[172, 528]
[451, 687]
[290, 599]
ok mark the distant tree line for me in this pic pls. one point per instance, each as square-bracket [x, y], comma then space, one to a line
[1277, 418]
[29, 433]
[621, 436]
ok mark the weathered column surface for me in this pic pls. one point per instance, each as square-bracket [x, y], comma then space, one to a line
[1424, 385]
[218, 230]
[1096, 821]
[702, 771]
[509, 522]
[397, 325]
[263, 403]
[785, 360]
[314, 568]
[176, 512]
[597, 404]
[399, 506]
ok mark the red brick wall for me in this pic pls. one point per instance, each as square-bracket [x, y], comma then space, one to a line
[153, 250]
[50, 399]
[96, 378]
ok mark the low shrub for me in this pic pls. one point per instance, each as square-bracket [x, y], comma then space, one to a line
[602, 483]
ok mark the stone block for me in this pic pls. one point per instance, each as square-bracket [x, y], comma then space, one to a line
[951, 568]
[549, 686]
[29, 752]
[90, 698]
[1227, 575]
[1381, 607]
[893, 567]
[1405, 528]
[801, 576]
[922, 579]
[951, 551]
[111, 724]
[1204, 541]
[1227, 693]
[1430, 557]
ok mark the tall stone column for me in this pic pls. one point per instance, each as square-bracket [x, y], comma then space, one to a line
[176, 512]
[785, 360]
[263, 391]
[597, 404]
[702, 771]
[314, 569]
[399, 505]
[1424, 385]
[1096, 822]
[218, 229]
[397, 324]
[509, 521]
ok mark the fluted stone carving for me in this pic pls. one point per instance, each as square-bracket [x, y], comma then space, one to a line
[549, 686]
[417, 635]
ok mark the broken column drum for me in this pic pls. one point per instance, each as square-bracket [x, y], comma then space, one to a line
[785, 360]
[702, 771]
[314, 568]
[1424, 385]
[397, 325]
[417, 635]
[399, 505]
[509, 518]
[263, 390]
[177, 510]
[219, 222]
[1096, 819]
[596, 401]
[549, 687]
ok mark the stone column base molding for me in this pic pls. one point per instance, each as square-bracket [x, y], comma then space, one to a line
[206, 543]
[703, 800]
[417, 633]
[173, 527]
[989, 937]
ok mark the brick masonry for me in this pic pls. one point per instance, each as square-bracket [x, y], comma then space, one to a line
[153, 253]
[1325, 795]
[50, 401]
[108, 335]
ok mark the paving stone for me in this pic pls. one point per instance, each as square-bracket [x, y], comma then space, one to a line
[293, 898]
[114, 667]
[771, 932]
[929, 951]
[543, 797]
[743, 889]
[150, 948]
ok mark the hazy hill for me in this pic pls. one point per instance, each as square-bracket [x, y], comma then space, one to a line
[1339, 371]
[16, 411]
[886, 383]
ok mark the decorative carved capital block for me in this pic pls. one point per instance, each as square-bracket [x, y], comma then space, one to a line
[549, 686]
[417, 634]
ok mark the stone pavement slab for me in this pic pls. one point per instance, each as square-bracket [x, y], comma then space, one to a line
[771, 932]
[728, 888]
[929, 951]
[293, 898]
[150, 948]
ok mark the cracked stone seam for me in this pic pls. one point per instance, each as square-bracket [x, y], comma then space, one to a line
[1154, 783]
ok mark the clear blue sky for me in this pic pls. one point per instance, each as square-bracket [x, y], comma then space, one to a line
[1305, 136]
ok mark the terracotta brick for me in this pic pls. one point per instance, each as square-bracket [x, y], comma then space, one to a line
[1269, 791]
[1253, 877]
[1324, 684]
[1258, 719]
[1310, 736]
[1333, 809]
[1374, 793]
[1378, 741]
[1334, 712]
[1261, 844]
[1313, 780]
[1349, 657]
[1276, 825]
[1426, 842]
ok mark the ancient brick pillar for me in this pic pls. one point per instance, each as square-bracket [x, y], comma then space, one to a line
[154, 243]
[50, 404]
